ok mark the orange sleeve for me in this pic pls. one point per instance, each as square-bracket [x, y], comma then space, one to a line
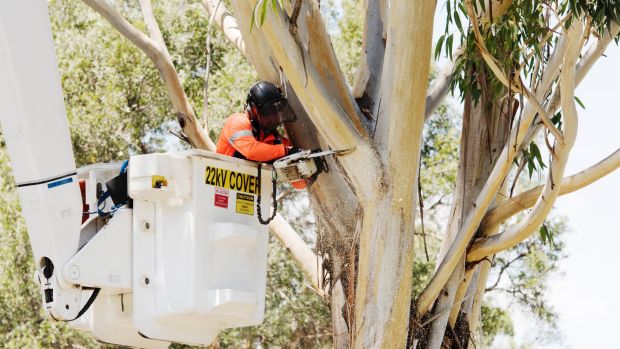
[243, 141]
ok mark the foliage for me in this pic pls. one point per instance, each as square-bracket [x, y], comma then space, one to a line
[523, 271]
[109, 88]
[439, 154]
[495, 321]
[516, 41]
[112, 89]
[347, 39]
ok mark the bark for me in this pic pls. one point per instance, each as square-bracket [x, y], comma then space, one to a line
[477, 287]
[367, 85]
[323, 57]
[383, 292]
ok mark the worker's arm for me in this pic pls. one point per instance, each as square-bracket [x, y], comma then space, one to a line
[245, 143]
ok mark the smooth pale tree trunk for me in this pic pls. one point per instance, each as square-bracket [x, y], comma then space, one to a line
[383, 291]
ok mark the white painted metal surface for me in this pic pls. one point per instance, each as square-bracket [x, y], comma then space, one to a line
[199, 259]
[110, 320]
[34, 127]
[106, 260]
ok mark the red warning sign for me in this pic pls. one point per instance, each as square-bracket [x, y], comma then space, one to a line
[221, 198]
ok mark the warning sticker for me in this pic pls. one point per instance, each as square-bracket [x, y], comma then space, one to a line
[245, 204]
[221, 198]
[232, 180]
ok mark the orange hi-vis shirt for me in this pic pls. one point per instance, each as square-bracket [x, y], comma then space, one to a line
[237, 137]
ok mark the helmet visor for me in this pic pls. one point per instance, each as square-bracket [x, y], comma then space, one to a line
[275, 113]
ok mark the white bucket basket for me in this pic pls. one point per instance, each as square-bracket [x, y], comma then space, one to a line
[200, 253]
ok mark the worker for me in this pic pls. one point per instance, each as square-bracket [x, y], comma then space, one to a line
[253, 135]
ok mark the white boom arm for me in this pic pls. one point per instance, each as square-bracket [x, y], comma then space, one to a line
[183, 259]
[34, 126]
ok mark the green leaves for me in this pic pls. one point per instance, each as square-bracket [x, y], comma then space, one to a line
[439, 45]
[449, 45]
[533, 158]
[495, 321]
[262, 5]
[448, 48]
[534, 151]
[580, 102]
[545, 235]
[601, 12]
[557, 120]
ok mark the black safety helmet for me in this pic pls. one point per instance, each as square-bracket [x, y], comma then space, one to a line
[267, 103]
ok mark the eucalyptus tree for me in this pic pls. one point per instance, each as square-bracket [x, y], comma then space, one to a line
[516, 66]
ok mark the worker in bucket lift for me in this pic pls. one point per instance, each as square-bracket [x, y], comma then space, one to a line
[253, 135]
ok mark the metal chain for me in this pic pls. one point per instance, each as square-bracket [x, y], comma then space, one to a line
[274, 201]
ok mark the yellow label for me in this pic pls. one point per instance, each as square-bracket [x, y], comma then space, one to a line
[245, 204]
[232, 180]
[158, 182]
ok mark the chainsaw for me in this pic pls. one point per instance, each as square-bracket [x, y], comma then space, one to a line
[305, 164]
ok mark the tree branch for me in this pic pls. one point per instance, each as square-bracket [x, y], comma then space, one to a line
[527, 199]
[158, 55]
[219, 14]
[152, 26]
[493, 244]
[441, 86]
[367, 84]
[594, 52]
[502, 270]
[321, 53]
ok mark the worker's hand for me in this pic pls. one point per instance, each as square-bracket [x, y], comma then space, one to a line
[292, 150]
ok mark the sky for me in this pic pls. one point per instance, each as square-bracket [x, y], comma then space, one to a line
[585, 293]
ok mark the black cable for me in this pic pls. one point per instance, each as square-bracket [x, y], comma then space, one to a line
[86, 306]
[274, 201]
